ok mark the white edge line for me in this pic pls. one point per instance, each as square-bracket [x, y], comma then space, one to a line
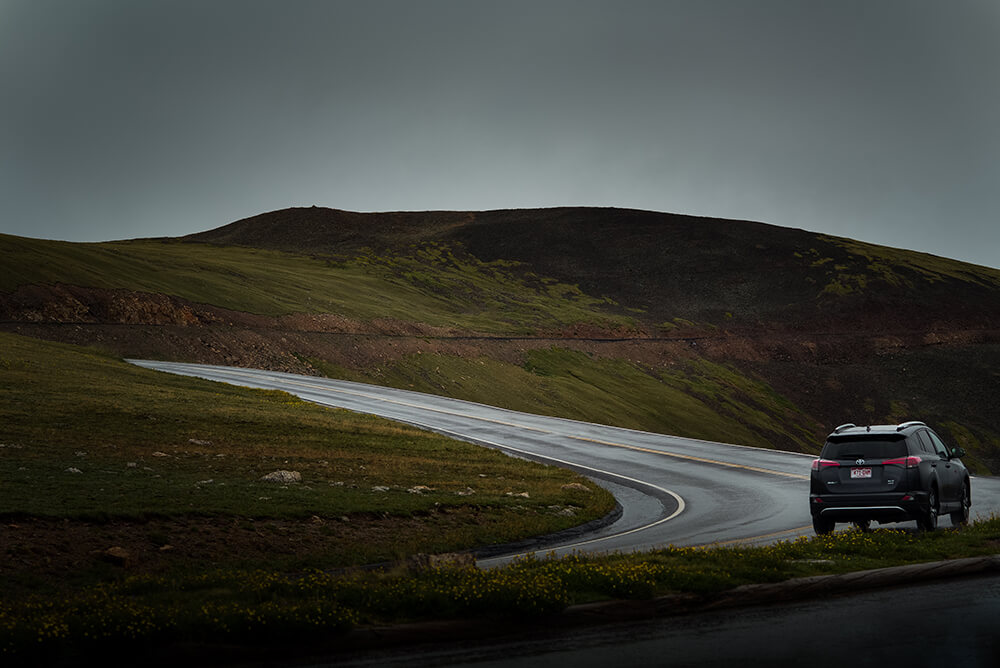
[677, 497]
[283, 378]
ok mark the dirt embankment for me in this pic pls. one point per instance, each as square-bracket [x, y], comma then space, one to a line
[138, 324]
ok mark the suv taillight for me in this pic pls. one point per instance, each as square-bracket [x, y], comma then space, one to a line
[906, 462]
[823, 463]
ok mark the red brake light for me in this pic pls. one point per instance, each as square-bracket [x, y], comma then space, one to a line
[906, 462]
[823, 463]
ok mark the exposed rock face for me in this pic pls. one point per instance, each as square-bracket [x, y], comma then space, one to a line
[72, 304]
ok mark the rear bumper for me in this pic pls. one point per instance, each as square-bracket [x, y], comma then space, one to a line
[889, 507]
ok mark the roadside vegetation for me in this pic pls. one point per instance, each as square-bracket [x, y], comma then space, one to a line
[266, 607]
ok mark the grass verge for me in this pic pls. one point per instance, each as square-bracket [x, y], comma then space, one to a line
[264, 606]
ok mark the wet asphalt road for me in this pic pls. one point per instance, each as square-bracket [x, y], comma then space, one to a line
[946, 623]
[673, 490]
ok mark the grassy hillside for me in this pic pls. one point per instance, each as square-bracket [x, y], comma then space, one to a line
[430, 284]
[724, 330]
[90, 439]
[695, 398]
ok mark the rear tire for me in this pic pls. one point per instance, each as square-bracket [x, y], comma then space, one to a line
[822, 527]
[961, 516]
[929, 521]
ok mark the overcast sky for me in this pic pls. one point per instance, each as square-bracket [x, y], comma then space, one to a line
[872, 119]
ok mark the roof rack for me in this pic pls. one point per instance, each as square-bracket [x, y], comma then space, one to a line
[842, 427]
[911, 423]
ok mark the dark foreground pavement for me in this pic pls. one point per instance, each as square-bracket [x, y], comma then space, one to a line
[932, 614]
[816, 588]
[940, 623]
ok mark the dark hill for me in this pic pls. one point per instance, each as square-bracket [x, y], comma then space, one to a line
[664, 267]
[319, 229]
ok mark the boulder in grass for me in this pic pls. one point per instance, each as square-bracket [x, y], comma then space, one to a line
[576, 487]
[118, 556]
[283, 477]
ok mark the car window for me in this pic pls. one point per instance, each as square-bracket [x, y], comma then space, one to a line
[939, 446]
[864, 449]
[925, 442]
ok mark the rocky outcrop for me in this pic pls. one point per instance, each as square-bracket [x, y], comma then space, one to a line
[73, 304]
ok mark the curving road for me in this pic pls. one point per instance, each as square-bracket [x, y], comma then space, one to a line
[672, 490]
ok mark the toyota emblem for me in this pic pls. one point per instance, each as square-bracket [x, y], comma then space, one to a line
[860, 462]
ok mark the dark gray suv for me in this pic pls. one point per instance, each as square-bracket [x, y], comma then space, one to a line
[888, 473]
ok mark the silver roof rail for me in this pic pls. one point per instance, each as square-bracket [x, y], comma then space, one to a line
[911, 423]
[842, 427]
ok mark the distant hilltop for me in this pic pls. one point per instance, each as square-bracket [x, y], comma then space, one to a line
[665, 266]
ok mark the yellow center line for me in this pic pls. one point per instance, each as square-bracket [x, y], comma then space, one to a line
[751, 539]
[702, 460]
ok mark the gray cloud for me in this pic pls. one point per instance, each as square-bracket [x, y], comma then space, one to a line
[869, 120]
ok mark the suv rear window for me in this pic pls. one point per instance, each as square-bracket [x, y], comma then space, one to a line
[864, 449]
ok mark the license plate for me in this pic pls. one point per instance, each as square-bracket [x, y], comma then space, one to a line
[861, 473]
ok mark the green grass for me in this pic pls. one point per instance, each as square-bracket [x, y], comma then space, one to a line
[430, 283]
[148, 444]
[269, 607]
[870, 263]
[694, 398]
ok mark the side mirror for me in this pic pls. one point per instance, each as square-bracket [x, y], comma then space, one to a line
[957, 453]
